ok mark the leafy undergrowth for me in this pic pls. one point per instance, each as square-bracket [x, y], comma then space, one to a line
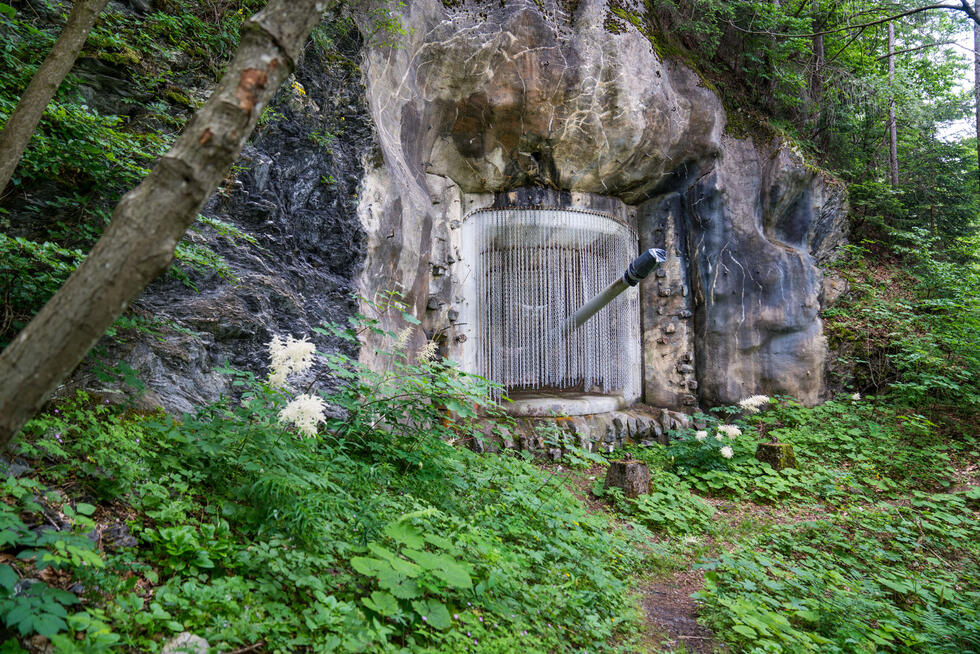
[874, 579]
[382, 533]
[378, 535]
[868, 546]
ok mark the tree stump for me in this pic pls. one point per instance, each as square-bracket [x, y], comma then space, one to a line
[779, 455]
[632, 477]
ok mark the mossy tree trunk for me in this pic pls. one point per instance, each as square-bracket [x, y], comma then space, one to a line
[138, 245]
[20, 126]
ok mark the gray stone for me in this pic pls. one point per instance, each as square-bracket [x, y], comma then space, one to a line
[17, 467]
[39, 644]
[118, 536]
[185, 643]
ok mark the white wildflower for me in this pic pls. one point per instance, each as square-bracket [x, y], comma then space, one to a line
[754, 403]
[305, 413]
[277, 378]
[729, 430]
[402, 339]
[719, 436]
[288, 357]
[856, 397]
[701, 435]
[427, 353]
[727, 452]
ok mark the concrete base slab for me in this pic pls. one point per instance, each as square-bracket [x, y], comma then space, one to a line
[562, 404]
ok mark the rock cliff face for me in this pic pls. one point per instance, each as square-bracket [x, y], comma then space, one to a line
[362, 189]
[479, 100]
[293, 195]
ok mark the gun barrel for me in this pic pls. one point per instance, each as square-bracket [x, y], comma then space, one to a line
[639, 269]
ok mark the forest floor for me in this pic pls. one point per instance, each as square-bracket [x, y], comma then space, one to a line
[124, 531]
[670, 612]
[668, 594]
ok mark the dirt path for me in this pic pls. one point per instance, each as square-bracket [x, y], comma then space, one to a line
[671, 614]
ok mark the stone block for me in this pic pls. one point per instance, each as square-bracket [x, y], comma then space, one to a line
[779, 455]
[185, 643]
[632, 477]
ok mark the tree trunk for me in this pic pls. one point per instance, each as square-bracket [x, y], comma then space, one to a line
[817, 85]
[138, 244]
[976, 80]
[22, 122]
[892, 127]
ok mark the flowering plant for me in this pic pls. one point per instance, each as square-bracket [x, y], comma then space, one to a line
[713, 444]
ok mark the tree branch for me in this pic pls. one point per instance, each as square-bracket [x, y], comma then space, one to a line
[918, 10]
[915, 49]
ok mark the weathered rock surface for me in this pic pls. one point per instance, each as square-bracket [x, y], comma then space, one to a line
[294, 193]
[477, 100]
[185, 643]
[749, 233]
[485, 98]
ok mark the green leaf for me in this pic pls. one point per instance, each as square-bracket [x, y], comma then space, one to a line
[22, 611]
[7, 10]
[400, 587]
[383, 603]
[85, 509]
[8, 578]
[434, 612]
[744, 630]
[368, 566]
[404, 533]
[47, 624]
[442, 567]
[439, 541]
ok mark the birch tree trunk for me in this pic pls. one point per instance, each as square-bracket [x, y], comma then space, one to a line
[892, 127]
[138, 244]
[976, 79]
[48, 77]
[817, 84]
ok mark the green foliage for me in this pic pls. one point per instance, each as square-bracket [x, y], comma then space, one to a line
[84, 160]
[379, 534]
[669, 508]
[883, 579]
[29, 605]
[884, 451]
[30, 273]
[912, 326]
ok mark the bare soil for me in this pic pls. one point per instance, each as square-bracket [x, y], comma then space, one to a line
[672, 614]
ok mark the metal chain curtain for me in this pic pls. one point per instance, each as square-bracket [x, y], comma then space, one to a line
[534, 268]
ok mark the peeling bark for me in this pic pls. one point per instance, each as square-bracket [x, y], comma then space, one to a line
[138, 245]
